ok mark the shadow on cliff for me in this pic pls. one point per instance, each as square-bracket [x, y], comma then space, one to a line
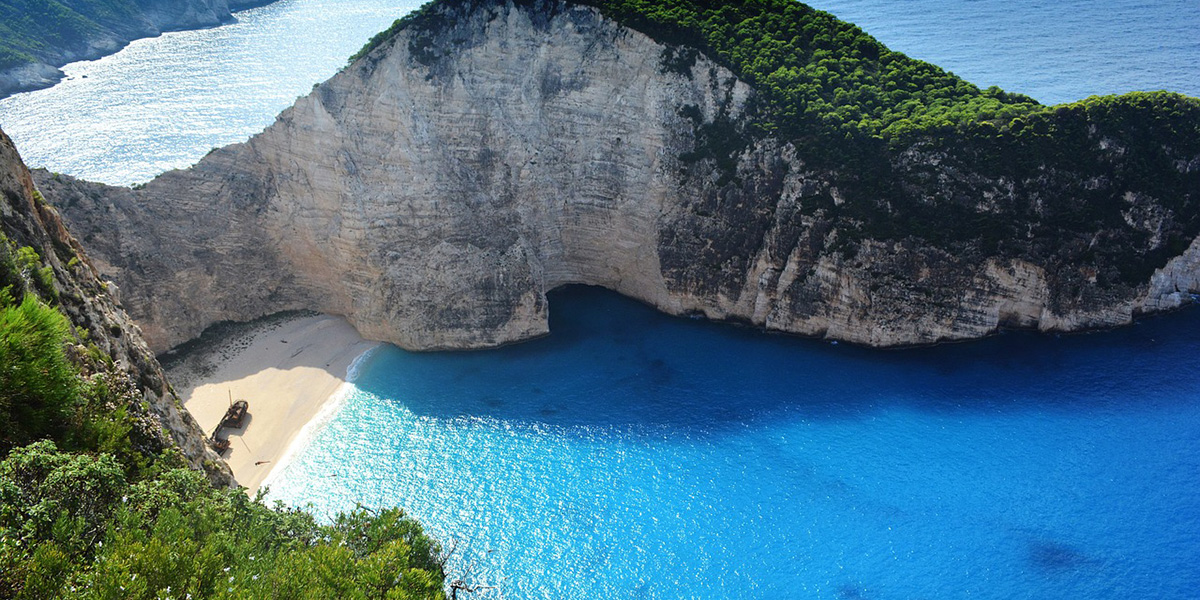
[612, 362]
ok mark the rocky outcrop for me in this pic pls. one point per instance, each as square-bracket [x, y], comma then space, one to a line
[102, 328]
[67, 32]
[439, 186]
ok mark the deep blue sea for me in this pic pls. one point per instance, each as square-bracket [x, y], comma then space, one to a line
[631, 455]
[636, 456]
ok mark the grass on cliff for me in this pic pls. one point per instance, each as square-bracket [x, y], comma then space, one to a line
[91, 508]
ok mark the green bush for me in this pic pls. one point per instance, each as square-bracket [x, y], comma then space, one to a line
[73, 526]
[42, 276]
[32, 30]
[38, 385]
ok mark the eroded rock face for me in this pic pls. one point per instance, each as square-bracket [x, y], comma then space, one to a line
[436, 189]
[92, 306]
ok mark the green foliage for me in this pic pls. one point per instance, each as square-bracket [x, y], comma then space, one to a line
[32, 30]
[73, 526]
[114, 515]
[11, 278]
[38, 385]
[21, 267]
[30, 265]
[418, 16]
[821, 78]
[10, 58]
[102, 421]
[820, 75]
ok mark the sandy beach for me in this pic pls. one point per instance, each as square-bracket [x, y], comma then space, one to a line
[286, 367]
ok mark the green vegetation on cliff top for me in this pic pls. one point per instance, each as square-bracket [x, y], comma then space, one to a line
[815, 70]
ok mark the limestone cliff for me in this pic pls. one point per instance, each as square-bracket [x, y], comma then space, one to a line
[38, 37]
[439, 186]
[102, 329]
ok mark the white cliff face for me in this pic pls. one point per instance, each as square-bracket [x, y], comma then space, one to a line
[435, 190]
[1173, 285]
[454, 195]
[435, 205]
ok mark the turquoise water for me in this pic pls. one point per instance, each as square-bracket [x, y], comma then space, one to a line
[633, 455]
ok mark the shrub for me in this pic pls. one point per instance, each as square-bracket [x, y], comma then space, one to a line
[38, 385]
[73, 522]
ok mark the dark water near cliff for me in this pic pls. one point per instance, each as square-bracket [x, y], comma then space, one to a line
[632, 455]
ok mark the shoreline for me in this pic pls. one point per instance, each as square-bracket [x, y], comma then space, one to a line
[44, 74]
[327, 411]
[290, 368]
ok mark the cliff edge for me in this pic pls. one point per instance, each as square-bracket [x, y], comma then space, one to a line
[105, 344]
[481, 153]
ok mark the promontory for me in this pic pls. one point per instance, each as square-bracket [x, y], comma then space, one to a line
[758, 162]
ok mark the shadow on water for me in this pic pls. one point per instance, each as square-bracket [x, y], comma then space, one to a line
[1051, 557]
[611, 361]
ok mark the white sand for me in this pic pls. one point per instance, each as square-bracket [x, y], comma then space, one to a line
[286, 370]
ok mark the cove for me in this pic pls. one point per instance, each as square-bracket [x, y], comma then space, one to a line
[631, 455]
[635, 455]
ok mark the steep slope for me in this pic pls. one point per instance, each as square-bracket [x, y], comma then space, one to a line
[38, 36]
[106, 485]
[107, 344]
[481, 153]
